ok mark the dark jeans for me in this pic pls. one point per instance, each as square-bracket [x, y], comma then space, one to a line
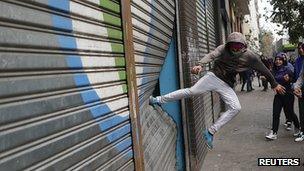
[248, 83]
[283, 101]
[301, 112]
[265, 84]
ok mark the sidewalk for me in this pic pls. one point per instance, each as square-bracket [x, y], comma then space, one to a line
[241, 142]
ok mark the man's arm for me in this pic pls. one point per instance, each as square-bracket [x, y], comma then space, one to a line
[212, 55]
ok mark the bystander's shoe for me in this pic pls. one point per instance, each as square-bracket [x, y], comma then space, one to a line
[272, 135]
[297, 132]
[300, 138]
[208, 138]
[288, 127]
[285, 124]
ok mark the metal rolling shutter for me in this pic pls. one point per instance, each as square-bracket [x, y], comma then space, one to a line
[213, 37]
[189, 30]
[153, 22]
[211, 24]
[203, 115]
[63, 92]
[207, 43]
[198, 33]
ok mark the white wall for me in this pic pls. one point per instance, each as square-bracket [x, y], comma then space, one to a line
[251, 26]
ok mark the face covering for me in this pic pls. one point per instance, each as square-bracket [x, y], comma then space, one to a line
[236, 48]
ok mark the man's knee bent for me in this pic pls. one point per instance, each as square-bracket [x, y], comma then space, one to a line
[236, 108]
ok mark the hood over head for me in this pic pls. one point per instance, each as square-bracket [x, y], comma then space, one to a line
[236, 37]
[281, 56]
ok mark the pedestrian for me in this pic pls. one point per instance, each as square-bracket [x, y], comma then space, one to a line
[259, 78]
[288, 64]
[288, 117]
[244, 78]
[299, 88]
[283, 76]
[267, 63]
[229, 59]
[247, 79]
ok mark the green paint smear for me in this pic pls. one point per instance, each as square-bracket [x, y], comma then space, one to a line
[117, 47]
[116, 34]
[112, 19]
[124, 88]
[110, 5]
[122, 75]
[120, 62]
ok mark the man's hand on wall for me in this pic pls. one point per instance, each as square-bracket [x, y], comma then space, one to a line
[196, 69]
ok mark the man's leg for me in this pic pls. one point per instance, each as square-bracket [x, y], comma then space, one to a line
[229, 97]
[301, 115]
[289, 111]
[206, 83]
[265, 85]
[276, 111]
[288, 114]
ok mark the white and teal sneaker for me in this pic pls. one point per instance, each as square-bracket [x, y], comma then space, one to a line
[297, 132]
[153, 101]
[288, 126]
[208, 138]
[300, 138]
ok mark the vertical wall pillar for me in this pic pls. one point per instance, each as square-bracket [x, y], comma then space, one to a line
[132, 86]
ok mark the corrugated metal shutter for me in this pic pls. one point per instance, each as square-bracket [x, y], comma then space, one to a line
[203, 116]
[64, 103]
[198, 29]
[208, 42]
[213, 37]
[153, 22]
[189, 30]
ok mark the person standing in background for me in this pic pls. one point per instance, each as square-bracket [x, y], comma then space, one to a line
[268, 66]
[299, 87]
[283, 76]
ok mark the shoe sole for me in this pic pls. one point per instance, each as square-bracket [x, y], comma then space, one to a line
[208, 146]
[271, 138]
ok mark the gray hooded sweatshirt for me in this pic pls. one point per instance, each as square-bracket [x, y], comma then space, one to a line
[227, 65]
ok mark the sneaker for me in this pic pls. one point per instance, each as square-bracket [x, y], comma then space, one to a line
[288, 127]
[153, 101]
[271, 136]
[208, 138]
[297, 132]
[300, 138]
[285, 124]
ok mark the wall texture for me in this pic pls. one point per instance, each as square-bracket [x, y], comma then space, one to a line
[64, 103]
[153, 24]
